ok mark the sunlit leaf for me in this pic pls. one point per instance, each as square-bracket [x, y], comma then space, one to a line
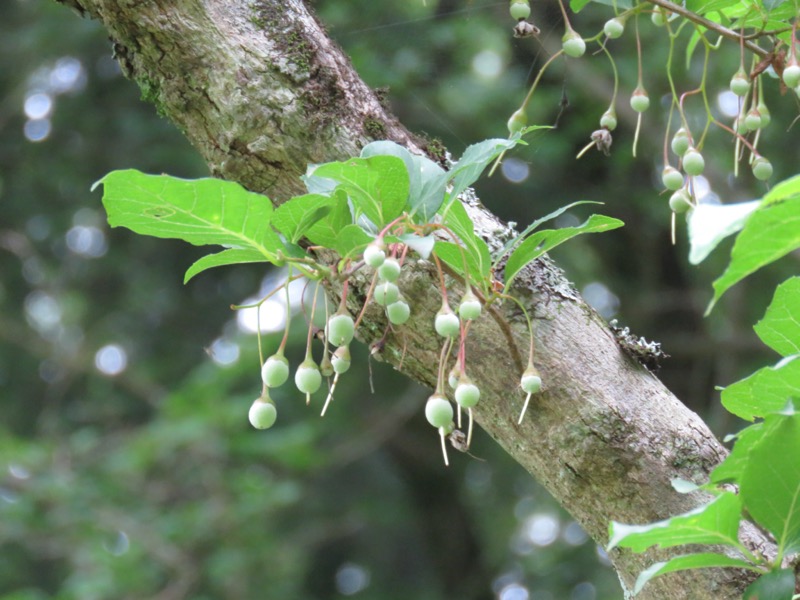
[765, 391]
[709, 224]
[200, 211]
[716, 522]
[771, 232]
[545, 240]
[780, 327]
[688, 561]
[232, 256]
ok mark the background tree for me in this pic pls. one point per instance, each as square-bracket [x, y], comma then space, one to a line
[73, 425]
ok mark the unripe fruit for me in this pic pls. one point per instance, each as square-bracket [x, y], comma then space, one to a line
[307, 378]
[739, 126]
[326, 366]
[517, 121]
[531, 382]
[764, 112]
[447, 323]
[659, 17]
[454, 377]
[470, 307]
[262, 414]
[693, 162]
[573, 44]
[762, 168]
[753, 120]
[672, 178]
[640, 101]
[680, 202]
[438, 411]
[609, 120]
[791, 75]
[398, 312]
[389, 270]
[680, 142]
[614, 28]
[340, 329]
[467, 394]
[519, 9]
[740, 83]
[374, 255]
[275, 370]
[386, 293]
[341, 360]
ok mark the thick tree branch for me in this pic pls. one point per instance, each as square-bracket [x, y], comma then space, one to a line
[261, 91]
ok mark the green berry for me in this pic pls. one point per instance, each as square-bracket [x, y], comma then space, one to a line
[340, 329]
[791, 75]
[659, 17]
[609, 119]
[680, 202]
[454, 377]
[470, 307]
[275, 371]
[341, 359]
[693, 162]
[467, 394]
[386, 293]
[398, 312]
[681, 142]
[438, 411]
[262, 414]
[640, 101]
[672, 178]
[389, 270]
[753, 120]
[517, 121]
[519, 9]
[531, 382]
[447, 323]
[614, 28]
[307, 378]
[573, 44]
[762, 168]
[764, 112]
[740, 83]
[374, 254]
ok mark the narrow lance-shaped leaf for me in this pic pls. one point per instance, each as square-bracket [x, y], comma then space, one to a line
[716, 522]
[547, 239]
[683, 562]
[771, 232]
[231, 256]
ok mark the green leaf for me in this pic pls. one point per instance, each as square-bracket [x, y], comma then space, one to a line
[556, 213]
[325, 232]
[730, 470]
[350, 239]
[770, 233]
[547, 239]
[427, 180]
[577, 5]
[688, 561]
[475, 159]
[422, 245]
[780, 327]
[775, 585]
[232, 256]
[716, 522]
[709, 224]
[770, 482]
[296, 216]
[765, 391]
[450, 254]
[458, 221]
[378, 186]
[201, 211]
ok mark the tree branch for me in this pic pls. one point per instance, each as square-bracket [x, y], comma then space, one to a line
[260, 91]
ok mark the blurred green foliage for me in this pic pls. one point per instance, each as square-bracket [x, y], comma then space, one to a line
[127, 466]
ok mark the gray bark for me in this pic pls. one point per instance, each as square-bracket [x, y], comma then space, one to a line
[260, 91]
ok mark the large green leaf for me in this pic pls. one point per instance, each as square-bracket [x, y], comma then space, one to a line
[709, 224]
[547, 239]
[730, 470]
[201, 212]
[714, 523]
[775, 585]
[770, 482]
[378, 186]
[765, 391]
[771, 232]
[296, 216]
[780, 327]
[683, 562]
[454, 255]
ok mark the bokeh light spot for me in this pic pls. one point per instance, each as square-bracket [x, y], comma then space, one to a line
[111, 359]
